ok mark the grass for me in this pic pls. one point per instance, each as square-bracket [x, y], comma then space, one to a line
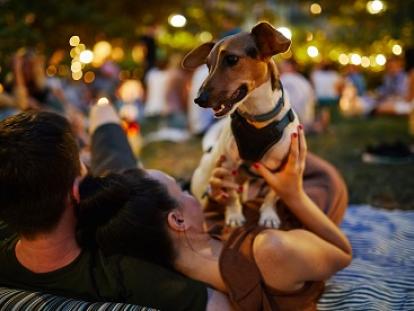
[386, 186]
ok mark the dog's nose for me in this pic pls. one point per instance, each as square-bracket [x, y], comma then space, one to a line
[202, 99]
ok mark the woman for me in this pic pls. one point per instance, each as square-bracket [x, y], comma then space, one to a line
[260, 269]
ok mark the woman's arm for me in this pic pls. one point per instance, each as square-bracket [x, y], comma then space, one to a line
[299, 255]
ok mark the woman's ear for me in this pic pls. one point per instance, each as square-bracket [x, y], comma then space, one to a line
[176, 221]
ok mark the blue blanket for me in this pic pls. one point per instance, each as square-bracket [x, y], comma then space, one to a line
[381, 275]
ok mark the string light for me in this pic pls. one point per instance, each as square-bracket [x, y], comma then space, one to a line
[177, 20]
[74, 40]
[397, 49]
[313, 51]
[86, 56]
[315, 8]
[285, 31]
[343, 59]
[380, 59]
[375, 7]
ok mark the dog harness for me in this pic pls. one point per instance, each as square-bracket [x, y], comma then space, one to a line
[252, 142]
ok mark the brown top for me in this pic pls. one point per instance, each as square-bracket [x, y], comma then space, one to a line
[327, 189]
[247, 290]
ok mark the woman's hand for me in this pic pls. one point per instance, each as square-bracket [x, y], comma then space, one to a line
[288, 183]
[221, 183]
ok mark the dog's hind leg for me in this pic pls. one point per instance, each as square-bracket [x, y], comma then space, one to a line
[268, 215]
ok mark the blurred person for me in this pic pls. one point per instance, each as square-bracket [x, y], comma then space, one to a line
[394, 91]
[395, 80]
[353, 75]
[326, 81]
[300, 91]
[199, 119]
[38, 201]
[302, 97]
[156, 82]
[30, 85]
[106, 81]
[409, 67]
[177, 92]
[147, 40]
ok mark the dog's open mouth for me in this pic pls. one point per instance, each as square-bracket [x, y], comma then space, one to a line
[223, 107]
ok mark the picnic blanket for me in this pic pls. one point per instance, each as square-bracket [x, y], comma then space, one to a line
[381, 275]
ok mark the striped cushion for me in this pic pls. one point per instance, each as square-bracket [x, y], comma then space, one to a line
[16, 300]
[381, 276]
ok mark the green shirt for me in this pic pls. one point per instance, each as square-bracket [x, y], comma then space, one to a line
[95, 277]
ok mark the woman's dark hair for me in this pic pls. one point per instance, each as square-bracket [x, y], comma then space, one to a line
[126, 215]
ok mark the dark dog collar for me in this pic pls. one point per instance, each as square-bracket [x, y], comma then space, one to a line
[254, 142]
[268, 115]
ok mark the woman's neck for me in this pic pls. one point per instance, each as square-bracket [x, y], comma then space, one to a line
[198, 257]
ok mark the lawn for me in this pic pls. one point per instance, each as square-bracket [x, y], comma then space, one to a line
[386, 186]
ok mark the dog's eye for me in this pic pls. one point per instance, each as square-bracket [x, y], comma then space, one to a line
[231, 60]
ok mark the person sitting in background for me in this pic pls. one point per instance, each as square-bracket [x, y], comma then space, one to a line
[301, 97]
[394, 81]
[38, 199]
[150, 217]
[394, 91]
[30, 84]
[326, 81]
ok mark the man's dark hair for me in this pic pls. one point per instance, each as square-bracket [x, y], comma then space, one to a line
[39, 161]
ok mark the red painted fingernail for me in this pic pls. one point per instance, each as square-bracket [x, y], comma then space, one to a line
[295, 135]
[234, 173]
[256, 165]
[300, 126]
[240, 190]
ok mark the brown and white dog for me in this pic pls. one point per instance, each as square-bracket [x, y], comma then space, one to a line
[243, 83]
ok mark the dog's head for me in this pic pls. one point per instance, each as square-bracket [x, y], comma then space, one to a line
[237, 65]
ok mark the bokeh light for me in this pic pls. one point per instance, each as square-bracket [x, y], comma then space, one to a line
[177, 20]
[89, 77]
[365, 62]
[102, 101]
[285, 31]
[77, 75]
[380, 59]
[313, 51]
[343, 59]
[74, 40]
[355, 59]
[86, 56]
[375, 7]
[396, 49]
[315, 8]
[76, 66]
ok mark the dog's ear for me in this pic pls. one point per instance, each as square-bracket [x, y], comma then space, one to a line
[268, 40]
[197, 56]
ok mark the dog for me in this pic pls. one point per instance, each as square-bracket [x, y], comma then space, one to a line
[243, 85]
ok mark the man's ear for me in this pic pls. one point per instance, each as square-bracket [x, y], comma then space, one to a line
[176, 221]
[197, 56]
[269, 41]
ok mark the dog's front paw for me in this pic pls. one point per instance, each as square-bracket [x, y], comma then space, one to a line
[235, 219]
[269, 219]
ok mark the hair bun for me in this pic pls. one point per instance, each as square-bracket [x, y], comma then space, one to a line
[100, 199]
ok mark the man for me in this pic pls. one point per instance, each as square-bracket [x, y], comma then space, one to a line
[38, 193]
